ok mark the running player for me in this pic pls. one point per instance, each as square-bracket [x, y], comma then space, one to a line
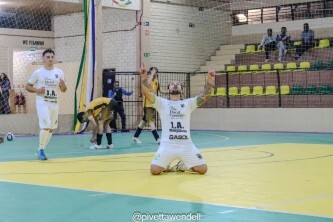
[175, 115]
[149, 113]
[100, 113]
[48, 80]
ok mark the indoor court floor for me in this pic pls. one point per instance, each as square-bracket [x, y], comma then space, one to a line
[252, 177]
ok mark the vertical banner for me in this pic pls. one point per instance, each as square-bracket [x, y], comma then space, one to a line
[87, 68]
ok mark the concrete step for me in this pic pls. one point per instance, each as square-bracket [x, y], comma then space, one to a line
[240, 46]
[228, 51]
[222, 58]
[216, 68]
[217, 63]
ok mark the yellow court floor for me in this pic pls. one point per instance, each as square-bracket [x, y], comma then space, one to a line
[288, 177]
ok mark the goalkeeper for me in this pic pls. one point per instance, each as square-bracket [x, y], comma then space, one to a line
[100, 113]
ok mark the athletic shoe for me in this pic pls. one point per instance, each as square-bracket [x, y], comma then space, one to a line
[109, 146]
[158, 141]
[279, 59]
[124, 130]
[94, 146]
[136, 140]
[267, 60]
[285, 51]
[41, 155]
[179, 167]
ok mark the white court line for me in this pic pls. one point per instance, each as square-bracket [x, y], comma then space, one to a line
[163, 198]
[226, 212]
[99, 194]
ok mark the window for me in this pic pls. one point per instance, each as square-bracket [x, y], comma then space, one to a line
[254, 16]
[269, 15]
[317, 9]
[301, 12]
[284, 13]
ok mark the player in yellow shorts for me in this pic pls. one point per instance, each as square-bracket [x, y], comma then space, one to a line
[149, 113]
[100, 113]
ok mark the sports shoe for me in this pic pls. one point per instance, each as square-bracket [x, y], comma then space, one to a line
[267, 60]
[279, 59]
[179, 167]
[94, 146]
[285, 51]
[109, 146]
[41, 155]
[158, 141]
[136, 140]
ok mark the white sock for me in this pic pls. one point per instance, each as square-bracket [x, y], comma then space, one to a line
[48, 138]
[43, 138]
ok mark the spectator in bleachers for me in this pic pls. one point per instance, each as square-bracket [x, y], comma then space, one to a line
[268, 42]
[307, 41]
[283, 41]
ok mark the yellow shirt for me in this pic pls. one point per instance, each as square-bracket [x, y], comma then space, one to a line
[96, 106]
[154, 86]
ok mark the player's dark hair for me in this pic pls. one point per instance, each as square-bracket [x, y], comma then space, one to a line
[48, 51]
[79, 116]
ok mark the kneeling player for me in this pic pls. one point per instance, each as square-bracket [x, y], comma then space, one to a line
[100, 113]
[175, 115]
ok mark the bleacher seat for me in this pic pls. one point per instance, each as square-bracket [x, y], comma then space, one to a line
[231, 68]
[297, 43]
[250, 49]
[245, 91]
[291, 65]
[323, 43]
[212, 93]
[270, 91]
[325, 89]
[221, 91]
[242, 68]
[233, 91]
[318, 65]
[257, 91]
[278, 66]
[304, 65]
[284, 90]
[266, 67]
[296, 90]
[311, 89]
[254, 67]
[329, 64]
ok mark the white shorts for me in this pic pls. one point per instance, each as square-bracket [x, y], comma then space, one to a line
[188, 153]
[47, 114]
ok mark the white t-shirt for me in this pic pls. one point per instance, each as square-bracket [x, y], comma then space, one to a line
[50, 79]
[175, 117]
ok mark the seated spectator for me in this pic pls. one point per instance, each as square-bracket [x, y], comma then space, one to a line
[268, 42]
[307, 41]
[283, 41]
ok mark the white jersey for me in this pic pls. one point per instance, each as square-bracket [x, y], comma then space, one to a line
[175, 117]
[50, 79]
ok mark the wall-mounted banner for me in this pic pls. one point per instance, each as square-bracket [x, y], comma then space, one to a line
[123, 4]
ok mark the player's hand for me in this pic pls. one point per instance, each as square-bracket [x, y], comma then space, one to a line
[143, 72]
[62, 83]
[211, 76]
[40, 90]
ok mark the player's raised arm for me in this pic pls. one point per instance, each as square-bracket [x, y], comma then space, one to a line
[210, 84]
[144, 85]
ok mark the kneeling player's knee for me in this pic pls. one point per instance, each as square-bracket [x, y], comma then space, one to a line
[202, 169]
[154, 170]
